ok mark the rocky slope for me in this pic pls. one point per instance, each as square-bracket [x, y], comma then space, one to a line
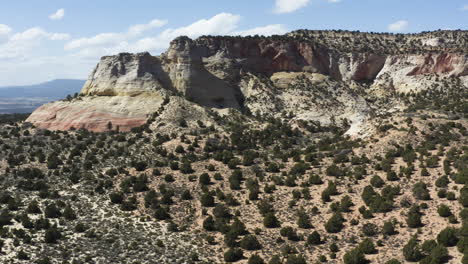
[324, 76]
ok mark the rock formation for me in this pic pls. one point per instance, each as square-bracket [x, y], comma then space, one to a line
[314, 75]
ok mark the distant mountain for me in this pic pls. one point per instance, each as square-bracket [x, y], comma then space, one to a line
[25, 99]
[55, 89]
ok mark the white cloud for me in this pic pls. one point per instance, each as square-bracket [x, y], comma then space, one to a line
[22, 44]
[464, 8]
[334, 1]
[4, 29]
[398, 26]
[4, 33]
[289, 6]
[58, 15]
[33, 49]
[106, 39]
[100, 39]
[221, 24]
[263, 31]
[58, 36]
[140, 28]
[36, 33]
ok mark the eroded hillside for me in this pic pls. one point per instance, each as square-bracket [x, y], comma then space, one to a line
[289, 149]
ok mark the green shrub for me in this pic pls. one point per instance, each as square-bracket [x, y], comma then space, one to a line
[367, 246]
[392, 176]
[315, 179]
[289, 232]
[296, 259]
[69, 213]
[444, 211]
[413, 218]
[438, 255]
[33, 208]
[420, 191]
[463, 198]
[250, 242]
[412, 251]
[462, 244]
[442, 182]
[354, 256]
[428, 246]
[52, 235]
[255, 259]
[209, 224]
[314, 239]
[52, 211]
[270, 220]
[275, 260]
[233, 255]
[204, 179]
[303, 220]
[345, 204]
[207, 200]
[448, 237]
[22, 255]
[377, 182]
[335, 223]
[388, 229]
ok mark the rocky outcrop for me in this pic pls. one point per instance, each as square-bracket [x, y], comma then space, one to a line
[183, 63]
[126, 75]
[444, 63]
[312, 74]
[95, 112]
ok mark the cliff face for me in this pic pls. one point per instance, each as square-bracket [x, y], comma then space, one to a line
[126, 75]
[268, 56]
[254, 73]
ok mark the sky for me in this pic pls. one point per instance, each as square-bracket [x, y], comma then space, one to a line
[42, 40]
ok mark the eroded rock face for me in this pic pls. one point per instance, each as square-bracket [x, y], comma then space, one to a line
[126, 75]
[95, 112]
[297, 73]
[445, 63]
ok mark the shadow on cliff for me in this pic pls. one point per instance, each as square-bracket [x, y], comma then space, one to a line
[208, 90]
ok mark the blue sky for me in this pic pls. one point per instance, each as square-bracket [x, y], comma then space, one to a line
[45, 40]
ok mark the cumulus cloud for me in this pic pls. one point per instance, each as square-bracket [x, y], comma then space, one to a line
[29, 50]
[221, 24]
[100, 39]
[58, 15]
[398, 26]
[289, 6]
[21, 44]
[37, 33]
[4, 29]
[58, 36]
[133, 40]
[106, 39]
[4, 33]
[269, 30]
[140, 28]
[111, 43]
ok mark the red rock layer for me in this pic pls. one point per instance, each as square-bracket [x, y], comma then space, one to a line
[68, 117]
[441, 64]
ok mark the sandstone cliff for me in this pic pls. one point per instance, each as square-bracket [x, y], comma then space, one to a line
[311, 75]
